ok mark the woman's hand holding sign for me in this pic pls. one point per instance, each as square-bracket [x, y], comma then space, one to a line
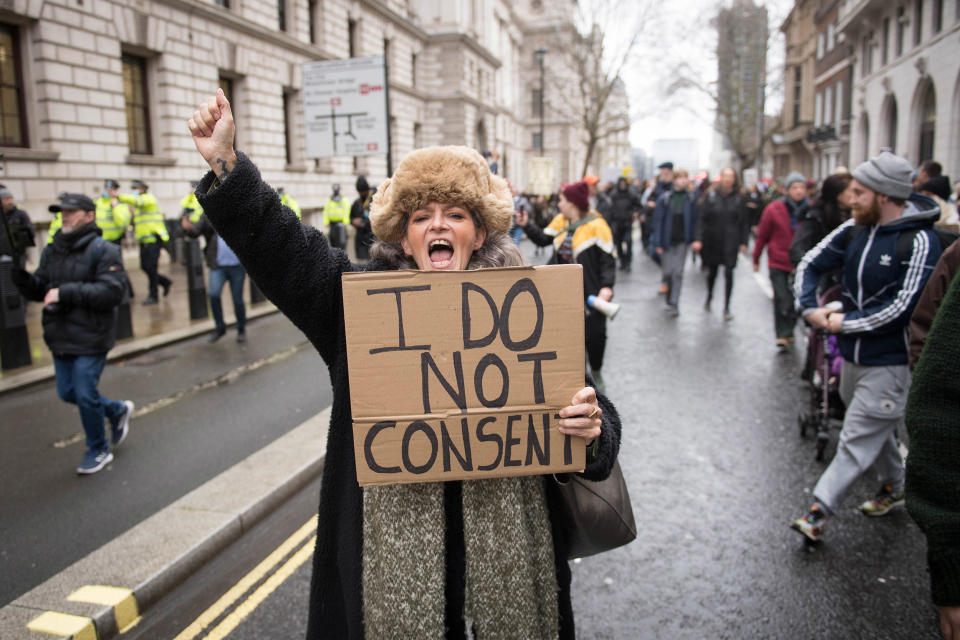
[213, 130]
[582, 417]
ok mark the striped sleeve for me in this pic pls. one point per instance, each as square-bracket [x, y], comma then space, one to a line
[826, 255]
[895, 313]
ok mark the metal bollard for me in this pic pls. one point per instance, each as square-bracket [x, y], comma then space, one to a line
[175, 245]
[256, 296]
[14, 343]
[195, 285]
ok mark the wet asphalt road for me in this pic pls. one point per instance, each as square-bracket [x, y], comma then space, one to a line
[716, 468]
[711, 453]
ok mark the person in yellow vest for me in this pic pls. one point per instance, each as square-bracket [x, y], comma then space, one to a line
[189, 206]
[287, 200]
[151, 233]
[336, 214]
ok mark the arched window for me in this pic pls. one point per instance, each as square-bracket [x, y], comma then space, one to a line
[864, 138]
[890, 122]
[481, 137]
[928, 122]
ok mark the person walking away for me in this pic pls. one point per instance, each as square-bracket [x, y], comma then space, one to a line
[224, 267]
[287, 200]
[360, 219]
[722, 233]
[662, 185]
[932, 490]
[887, 252]
[580, 236]
[81, 281]
[410, 560]
[151, 233]
[625, 207]
[675, 220]
[778, 224]
[20, 228]
[336, 214]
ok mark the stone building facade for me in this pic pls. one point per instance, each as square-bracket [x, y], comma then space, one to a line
[95, 89]
[906, 81]
[833, 87]
[791, 150]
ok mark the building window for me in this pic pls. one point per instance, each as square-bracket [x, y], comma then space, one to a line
[352, 37]
[226, 83]
[818, 110]
[282, 14]
[289, 117]
[828, 106]
[797, 92]
[867, 54]
[891, 124]
[928, 123]
[13, 122]
[820, 43]
[222, 3]
[830, 36]
[841, 104]
[136, 98]
[413, 70]
[537, 141]
[417, 135]
[312, 16]
[885, 42]
[917, 21]
[901, 30]
[936, 19]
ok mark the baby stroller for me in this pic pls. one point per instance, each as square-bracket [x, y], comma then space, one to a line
[822, 372]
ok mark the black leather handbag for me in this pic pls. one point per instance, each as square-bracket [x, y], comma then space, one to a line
[597, 516]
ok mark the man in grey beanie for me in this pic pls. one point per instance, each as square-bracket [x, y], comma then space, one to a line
[886, 253]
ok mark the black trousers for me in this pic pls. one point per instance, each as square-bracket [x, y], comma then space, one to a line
[149, 262]
[712, 270]
[623, 241]
[784, 313]
[595, 332]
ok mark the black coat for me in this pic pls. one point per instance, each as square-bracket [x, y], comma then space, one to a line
[21, 232]
[623, 205]
[814, 225]
[300, 273]
[723, 227]
[89, 272]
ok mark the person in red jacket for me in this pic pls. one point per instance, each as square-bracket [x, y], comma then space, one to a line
[778, 224]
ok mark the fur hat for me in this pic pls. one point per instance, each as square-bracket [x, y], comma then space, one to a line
[579, 194]
[449, 175]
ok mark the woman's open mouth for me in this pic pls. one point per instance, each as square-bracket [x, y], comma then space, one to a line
[441, 254]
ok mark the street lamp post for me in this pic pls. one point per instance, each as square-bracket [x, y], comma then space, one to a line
[541, 53]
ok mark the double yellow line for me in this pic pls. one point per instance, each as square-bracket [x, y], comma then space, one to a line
[261, 593]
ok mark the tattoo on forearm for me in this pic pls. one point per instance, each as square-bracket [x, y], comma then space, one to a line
[224, 171]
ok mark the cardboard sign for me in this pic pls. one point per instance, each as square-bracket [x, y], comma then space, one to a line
[460, 375]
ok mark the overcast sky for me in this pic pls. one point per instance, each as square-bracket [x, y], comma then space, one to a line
[680, 31]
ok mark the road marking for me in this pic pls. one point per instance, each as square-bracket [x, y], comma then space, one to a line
[124, 604]
[247, 607]
[247, 581]
[64, 625]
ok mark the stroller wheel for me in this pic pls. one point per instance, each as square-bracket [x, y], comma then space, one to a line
[822, 439]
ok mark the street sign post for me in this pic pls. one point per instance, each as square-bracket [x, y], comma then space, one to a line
[345, 107]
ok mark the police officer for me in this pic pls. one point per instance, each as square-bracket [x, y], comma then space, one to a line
[151, 232]
[80, 281]
[287, 200]
[336, 213]
[189, 206]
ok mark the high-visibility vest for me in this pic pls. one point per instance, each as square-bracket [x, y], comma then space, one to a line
[54, 227]
[191, 206]
[112, 220]
[290, 203]
[336, 211]
[148, 224]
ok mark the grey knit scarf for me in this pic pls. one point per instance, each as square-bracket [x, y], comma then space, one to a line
[511, 583]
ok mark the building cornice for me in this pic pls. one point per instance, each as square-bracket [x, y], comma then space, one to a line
[466, 41]
[395, 18]
[832, 71]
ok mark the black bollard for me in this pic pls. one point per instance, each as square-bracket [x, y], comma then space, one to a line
[195, 284]
[175, 245]
[14, 343]
[256, 296]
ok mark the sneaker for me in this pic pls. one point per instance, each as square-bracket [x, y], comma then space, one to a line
[166, 287]
[707, 304]
[885, 500]
[148, 301]
[663, 289]
[241, 336]
[812, 524]
[216, 335]
[673, 311]
[727, 316]
[120, 430]
[93, 461]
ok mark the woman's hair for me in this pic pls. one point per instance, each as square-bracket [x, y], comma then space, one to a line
[497, 250]
[832, 187]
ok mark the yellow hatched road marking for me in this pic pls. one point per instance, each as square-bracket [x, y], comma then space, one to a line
[246, 607]
[64, 625]
[124, 604]
[255, 575]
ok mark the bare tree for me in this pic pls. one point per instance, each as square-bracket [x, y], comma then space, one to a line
[586, 84]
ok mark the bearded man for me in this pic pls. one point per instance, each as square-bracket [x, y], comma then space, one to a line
[886, 253]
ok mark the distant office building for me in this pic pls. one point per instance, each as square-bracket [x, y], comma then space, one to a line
[906, 87]
[741, 69]
[682, 152]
